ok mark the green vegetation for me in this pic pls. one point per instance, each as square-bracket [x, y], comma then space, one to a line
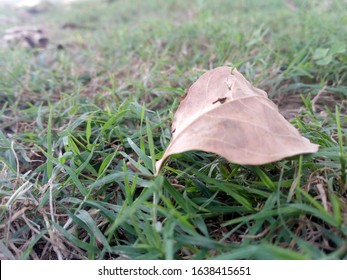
[81, 126]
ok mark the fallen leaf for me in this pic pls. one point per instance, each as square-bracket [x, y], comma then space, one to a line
[224, 114]
[26, 36]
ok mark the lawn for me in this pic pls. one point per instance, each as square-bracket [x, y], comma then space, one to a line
[83, 120]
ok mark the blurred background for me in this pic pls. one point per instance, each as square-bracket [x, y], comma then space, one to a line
[29, 3]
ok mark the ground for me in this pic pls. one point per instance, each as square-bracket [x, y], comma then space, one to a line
[84, 116]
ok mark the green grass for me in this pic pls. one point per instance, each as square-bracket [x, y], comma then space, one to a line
[81, 128]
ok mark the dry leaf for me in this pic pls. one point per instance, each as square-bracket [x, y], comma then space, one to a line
[224, 114]
[26, 36]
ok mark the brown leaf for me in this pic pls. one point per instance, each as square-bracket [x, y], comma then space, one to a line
[224, 114]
